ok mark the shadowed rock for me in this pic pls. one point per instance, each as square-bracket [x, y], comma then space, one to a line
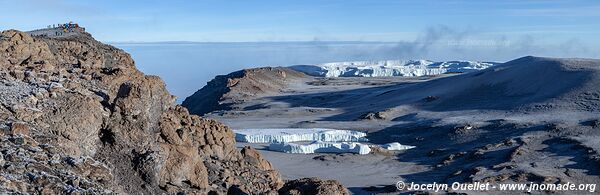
[313, 186]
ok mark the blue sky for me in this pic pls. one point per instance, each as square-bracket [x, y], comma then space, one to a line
[538, 27]
[498, 30]
[305, 20]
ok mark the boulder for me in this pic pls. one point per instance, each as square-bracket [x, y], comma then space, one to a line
[313, 186]
[18, 128]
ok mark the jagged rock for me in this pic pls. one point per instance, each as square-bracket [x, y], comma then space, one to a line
[20, 49]
[99, 125]
[431, 98]
[373, 116]
[55, 87]
[382, 151]
[27, 167]
[463, 129]
[19, 129]
[253, 157]
[24, 113]
[313, 186]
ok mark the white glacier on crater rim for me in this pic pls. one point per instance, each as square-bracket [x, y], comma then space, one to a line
[322, 140]
[333, 147]
[386, 68]
[298, 135]
[321, 147]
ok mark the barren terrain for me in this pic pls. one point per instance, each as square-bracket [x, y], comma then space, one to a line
[528, 120]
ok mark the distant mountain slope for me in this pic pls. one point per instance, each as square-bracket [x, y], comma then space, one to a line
[568, 83]
[523, 83]
[532, 119]
[225, 90]
[390, 68]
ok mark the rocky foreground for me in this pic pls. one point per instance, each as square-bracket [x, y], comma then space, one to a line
[76, 116]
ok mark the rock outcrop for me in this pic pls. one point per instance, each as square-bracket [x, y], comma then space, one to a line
[313, 186]
[76, 116]
[227, 90]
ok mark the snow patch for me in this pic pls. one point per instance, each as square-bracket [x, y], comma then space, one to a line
[385, 68]
[321, 147]
[396, 146]
[298, 135]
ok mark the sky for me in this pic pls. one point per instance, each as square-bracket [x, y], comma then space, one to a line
[537, 24]
[311, 31]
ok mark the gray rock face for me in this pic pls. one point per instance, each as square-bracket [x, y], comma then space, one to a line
[78, 117]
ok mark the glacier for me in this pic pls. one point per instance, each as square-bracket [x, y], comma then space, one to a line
[333, 147]
[320, 140]
[298, 135]
[321, 147]
[386, 68]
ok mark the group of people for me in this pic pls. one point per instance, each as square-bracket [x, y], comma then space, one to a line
[67, 27]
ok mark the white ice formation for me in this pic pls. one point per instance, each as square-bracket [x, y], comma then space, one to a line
[385, 68]
[396, 146]
[298, 135]
[321, 147]
[320, 140]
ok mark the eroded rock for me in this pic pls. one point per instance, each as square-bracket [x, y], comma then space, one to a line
[313, 186]
[84, 120]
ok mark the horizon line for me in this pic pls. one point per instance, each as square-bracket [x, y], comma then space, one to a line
[219, 42]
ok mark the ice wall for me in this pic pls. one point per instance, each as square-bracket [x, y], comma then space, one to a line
[390, 68]
[321, 140]
[298, 135]
[321, 147]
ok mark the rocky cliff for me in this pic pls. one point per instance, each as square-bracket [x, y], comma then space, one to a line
[76, 116]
